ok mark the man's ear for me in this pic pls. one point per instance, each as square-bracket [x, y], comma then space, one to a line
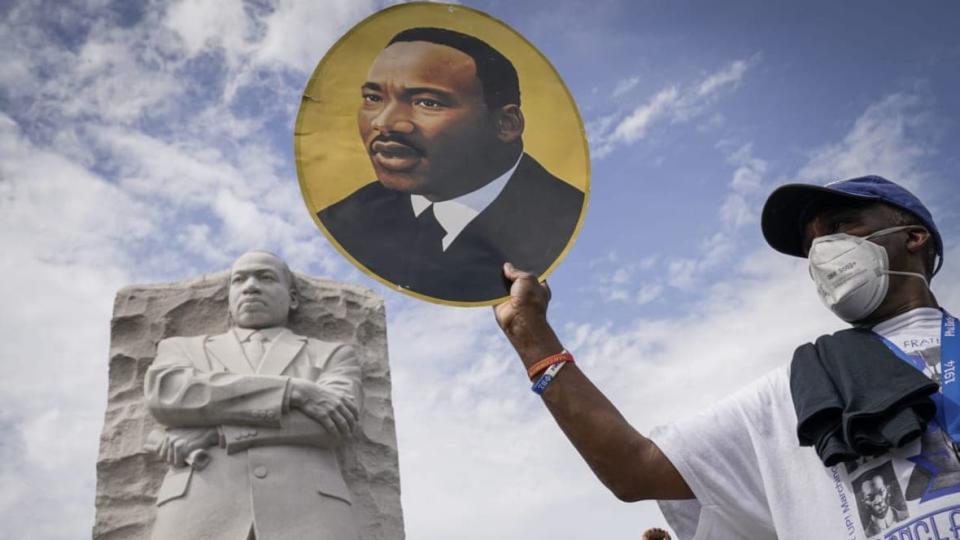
[509, 122]
[294, 300]
[917, 238]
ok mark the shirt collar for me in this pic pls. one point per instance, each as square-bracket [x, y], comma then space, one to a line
[272, 333]
[455, 214]
[916, 316]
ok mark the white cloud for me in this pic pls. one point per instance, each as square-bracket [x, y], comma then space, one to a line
[284, 35]
[596, 129]
[614, 279]
[736, 211]
[741, 205]
[634, 126]
[68, 237]
[297, 33]
[648, 293]
[887, 139]
[624, 85]
[468, 424]
[642, 364]
[674, 104]
[212, 24]
[730, 75]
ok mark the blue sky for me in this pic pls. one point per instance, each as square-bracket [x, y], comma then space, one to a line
[152, 141]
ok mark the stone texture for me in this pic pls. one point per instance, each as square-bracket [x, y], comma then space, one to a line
[128, 477]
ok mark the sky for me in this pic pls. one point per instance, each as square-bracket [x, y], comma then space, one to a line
[152, 141]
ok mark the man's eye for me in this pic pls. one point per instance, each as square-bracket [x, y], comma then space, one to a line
[372, 98]
[428, 103]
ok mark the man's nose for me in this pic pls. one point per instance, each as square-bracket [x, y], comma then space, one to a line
[393, 118]
[251, 284]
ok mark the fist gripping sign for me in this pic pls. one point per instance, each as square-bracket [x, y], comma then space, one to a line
[434, 144]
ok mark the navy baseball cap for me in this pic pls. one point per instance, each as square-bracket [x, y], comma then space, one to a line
[786, 208]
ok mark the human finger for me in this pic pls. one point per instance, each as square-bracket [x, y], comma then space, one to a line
[328, 423]
[515, 275]
[349, 409]
[510, 271]
[164, 448]
[178, 453]
[343, 425]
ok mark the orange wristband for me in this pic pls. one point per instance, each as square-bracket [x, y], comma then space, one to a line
[543, 364]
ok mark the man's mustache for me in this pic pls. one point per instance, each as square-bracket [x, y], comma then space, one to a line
[386, 138]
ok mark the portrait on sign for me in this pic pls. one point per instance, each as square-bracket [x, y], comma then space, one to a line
[435, 144]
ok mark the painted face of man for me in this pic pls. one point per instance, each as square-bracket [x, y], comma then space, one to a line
[424, 121]
[260, 294]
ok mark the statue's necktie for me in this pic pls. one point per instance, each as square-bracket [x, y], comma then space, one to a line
[255, 347]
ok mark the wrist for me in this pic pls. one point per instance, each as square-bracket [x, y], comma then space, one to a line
[535, 343]
[295, 398]
[215, 437]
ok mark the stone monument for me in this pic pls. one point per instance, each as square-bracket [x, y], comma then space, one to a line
[252, 424]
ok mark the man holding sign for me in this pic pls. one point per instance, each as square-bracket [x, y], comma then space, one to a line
[793, 446]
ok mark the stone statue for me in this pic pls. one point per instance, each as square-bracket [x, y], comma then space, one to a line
[253, 417]
[129, 473]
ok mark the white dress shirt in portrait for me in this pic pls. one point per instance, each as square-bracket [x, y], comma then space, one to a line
[455, 214]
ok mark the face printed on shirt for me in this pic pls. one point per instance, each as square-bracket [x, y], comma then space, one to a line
[875, 495]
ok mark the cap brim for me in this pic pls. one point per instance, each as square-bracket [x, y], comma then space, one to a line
[782, 220]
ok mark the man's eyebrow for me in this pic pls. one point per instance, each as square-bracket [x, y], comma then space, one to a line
[429, 90]
[844, 213]
[445, 96]
[441, 93]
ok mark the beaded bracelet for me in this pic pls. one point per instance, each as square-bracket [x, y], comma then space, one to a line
[543, 364]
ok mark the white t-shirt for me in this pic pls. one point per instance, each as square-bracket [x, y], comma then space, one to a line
[753, 481]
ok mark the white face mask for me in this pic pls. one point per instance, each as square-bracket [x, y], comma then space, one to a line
[851, 273]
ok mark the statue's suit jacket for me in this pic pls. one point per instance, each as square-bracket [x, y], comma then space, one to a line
[529, 224]
[275, 468]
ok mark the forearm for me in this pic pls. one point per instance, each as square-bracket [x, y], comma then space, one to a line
[179, 396]
[628, 463]
[296, 429]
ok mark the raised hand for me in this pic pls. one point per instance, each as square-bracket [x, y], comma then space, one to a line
[523, 318]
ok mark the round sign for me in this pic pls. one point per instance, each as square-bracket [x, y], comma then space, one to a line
[433, 144]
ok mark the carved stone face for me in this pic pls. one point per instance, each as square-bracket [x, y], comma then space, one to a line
[261, 294]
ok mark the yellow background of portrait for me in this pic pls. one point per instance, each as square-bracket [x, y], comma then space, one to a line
[331, 160]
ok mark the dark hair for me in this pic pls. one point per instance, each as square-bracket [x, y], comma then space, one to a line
[656, 533]
[498, 77]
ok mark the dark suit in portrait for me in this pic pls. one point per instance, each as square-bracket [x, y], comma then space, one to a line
[528, 224]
